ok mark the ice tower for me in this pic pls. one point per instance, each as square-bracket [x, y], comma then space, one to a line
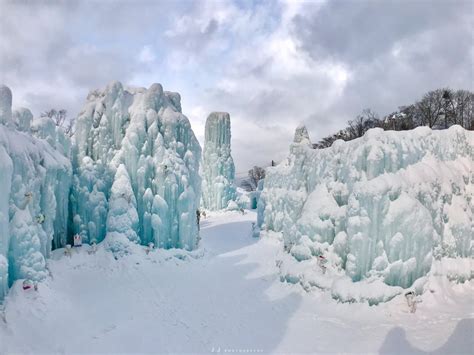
[137, 138]
[218, 170]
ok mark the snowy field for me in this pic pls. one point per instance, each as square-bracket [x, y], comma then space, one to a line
[226, 296]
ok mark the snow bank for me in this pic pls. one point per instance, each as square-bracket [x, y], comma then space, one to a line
[378, 208]
[144, 131]
[34, 186]
[218, 169]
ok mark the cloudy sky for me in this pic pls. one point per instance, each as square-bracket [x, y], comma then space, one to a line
[270, 64]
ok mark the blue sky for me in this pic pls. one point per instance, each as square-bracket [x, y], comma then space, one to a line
[270, 64]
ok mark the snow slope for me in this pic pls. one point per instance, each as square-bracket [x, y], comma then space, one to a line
[225, 296]
[380, 211]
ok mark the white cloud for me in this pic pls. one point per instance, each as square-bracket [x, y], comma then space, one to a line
[146, 55]
[269, 64]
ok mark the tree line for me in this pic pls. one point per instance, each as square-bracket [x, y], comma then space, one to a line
[437, 109]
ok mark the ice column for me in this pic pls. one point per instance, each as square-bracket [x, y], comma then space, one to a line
[218, 167]
[5, 104]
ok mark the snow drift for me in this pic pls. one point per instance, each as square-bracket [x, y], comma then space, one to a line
[136, 169]
[35, 177]
[218, 170]
[367, 218]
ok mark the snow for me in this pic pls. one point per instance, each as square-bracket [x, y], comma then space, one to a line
[380, 209]
[142, 303]
[144, 131]
[218, 171]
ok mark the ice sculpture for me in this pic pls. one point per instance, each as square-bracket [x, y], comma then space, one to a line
[26, 259]
[377, 209]
[144, 131]
[34, 187]
[22, 118]
[122, 219]
[218, 169]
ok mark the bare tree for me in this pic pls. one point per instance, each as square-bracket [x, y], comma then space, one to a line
[255, 174]
[362, 123]
[60, 118]
[69, 129]
[431, 107]
[463, 108]
[440, 108]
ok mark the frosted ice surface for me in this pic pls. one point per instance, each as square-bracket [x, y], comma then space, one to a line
[301, 135]
[218, 169]
[145, 131]
[35, 180]
[379, 207]
[122, 219]
[22, 118]
[5, 104]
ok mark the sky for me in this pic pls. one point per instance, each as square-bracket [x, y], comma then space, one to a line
[271, 64]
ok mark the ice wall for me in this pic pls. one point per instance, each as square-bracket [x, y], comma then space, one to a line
[34, 187]
[218, 169]
[380, 207]
[144, 131]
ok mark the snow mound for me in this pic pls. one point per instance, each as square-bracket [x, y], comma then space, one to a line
[218, 170]
[376, 210]
[144, 132]
[35, 178]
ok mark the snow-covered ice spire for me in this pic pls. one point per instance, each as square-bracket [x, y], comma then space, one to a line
[301, 135]
[218, 167]
[27, 261]
[122, 219]
[5, 104]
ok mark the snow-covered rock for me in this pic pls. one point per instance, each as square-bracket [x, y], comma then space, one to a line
[218, 169]
[144, 131]
[380, 207]
[34, 187]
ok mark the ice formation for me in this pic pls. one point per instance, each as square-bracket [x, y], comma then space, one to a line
[367, 218]
[122, 219]
[135, 153]
[35, 179]
[218, 169]
[5, 104]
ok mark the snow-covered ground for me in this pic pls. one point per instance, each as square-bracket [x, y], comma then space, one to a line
[226, 296]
